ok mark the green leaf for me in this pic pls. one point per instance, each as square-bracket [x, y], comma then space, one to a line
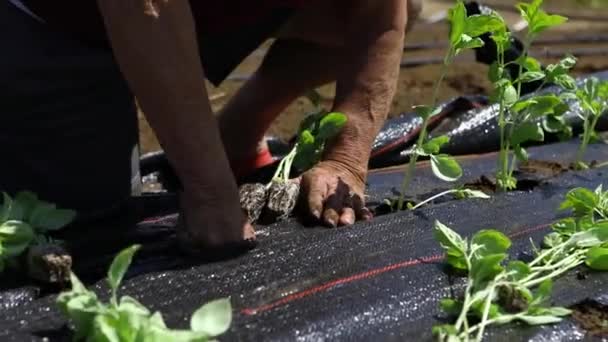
[581, 200]
[46, 216]
[520, 153]
[5, 210]
[521, 105]
[157, 320]
[538, 320]
[434, 145]
[478, 24]
[565, 81]
[544, 105]
[592, 237]
[565, 227]
[445, 168]
[531, 76]
[15, 238]
[479, 306]
[467, 42]
[131, 305]
[331, 125]
[552, 311]
[486, 268]
[529, 63]
[546, 22]
[82, 310]
[552, 240]
[509, 95]
[597, 258]
[454, 244]
[495, 72]
[213, 318]
[23, 204]
[518, 270]
[306, 138]
[457, 17]
[527, 131]
[105, 329]
[119, 267]
[450, 306]
[445, 329]
[491, 242]
[468, 193]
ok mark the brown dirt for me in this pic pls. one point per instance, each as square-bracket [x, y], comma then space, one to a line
[592, 316]
[415, 84]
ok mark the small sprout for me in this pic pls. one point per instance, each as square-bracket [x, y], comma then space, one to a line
[498, 294]
[125, 319]
[593, 97]
[280, 196]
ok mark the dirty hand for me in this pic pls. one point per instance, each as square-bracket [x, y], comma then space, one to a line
[334, 194]
[214, 226]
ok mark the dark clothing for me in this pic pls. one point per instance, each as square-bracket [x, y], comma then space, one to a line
[69, 123]
[228, 30]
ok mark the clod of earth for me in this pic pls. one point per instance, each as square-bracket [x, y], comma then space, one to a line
[591, 316]
[253, 199]
[49, 263]
[282, 198]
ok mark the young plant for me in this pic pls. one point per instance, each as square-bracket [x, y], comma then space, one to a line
[593, 98]
[499, 293]
[464, 34]
[279, 196]
[127, 320]
[25, 222]
[457, 193]
[522, 119]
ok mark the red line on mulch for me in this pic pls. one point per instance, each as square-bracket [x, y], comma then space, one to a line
[364, 275]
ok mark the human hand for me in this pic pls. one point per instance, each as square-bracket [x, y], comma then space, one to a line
[334, 194]
[214, 226]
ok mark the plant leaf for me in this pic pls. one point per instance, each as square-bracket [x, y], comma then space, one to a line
[454, 244]
[445, 168]
[491, 242]
[597, 258]
[565, 227]
[527, 131]
[46, 216]
[468, 193]
[22, 206]
[518, 270]
[478, 24]
[581, 200]
[539, 320]
[521, 153]
[330, 125]
[213, 318]
[119, 266]
[457, 18]
[15, 238]
[486, 268]
[425, 111]
[450, 306]
[531, 76]
[434, 145]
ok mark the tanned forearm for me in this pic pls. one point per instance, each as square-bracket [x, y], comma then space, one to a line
[157, 51]
[366, 86]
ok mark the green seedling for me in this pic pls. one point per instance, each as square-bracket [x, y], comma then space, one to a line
[279, 196]
[127, 320]
[25, 221]
[519, 117]
[500, 291]
[464, 34]
[593, 98]
[457, 193]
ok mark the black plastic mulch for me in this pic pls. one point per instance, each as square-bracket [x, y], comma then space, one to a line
[380, 280]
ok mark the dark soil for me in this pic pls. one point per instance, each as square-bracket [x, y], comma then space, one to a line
[592, 316]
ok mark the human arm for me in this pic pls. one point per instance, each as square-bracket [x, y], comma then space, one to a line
[365, 89]
[157, 52]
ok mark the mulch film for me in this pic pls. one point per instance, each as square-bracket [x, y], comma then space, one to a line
[380, 280]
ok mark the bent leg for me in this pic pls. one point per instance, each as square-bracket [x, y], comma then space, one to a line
[304, 57]
[69, 125]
